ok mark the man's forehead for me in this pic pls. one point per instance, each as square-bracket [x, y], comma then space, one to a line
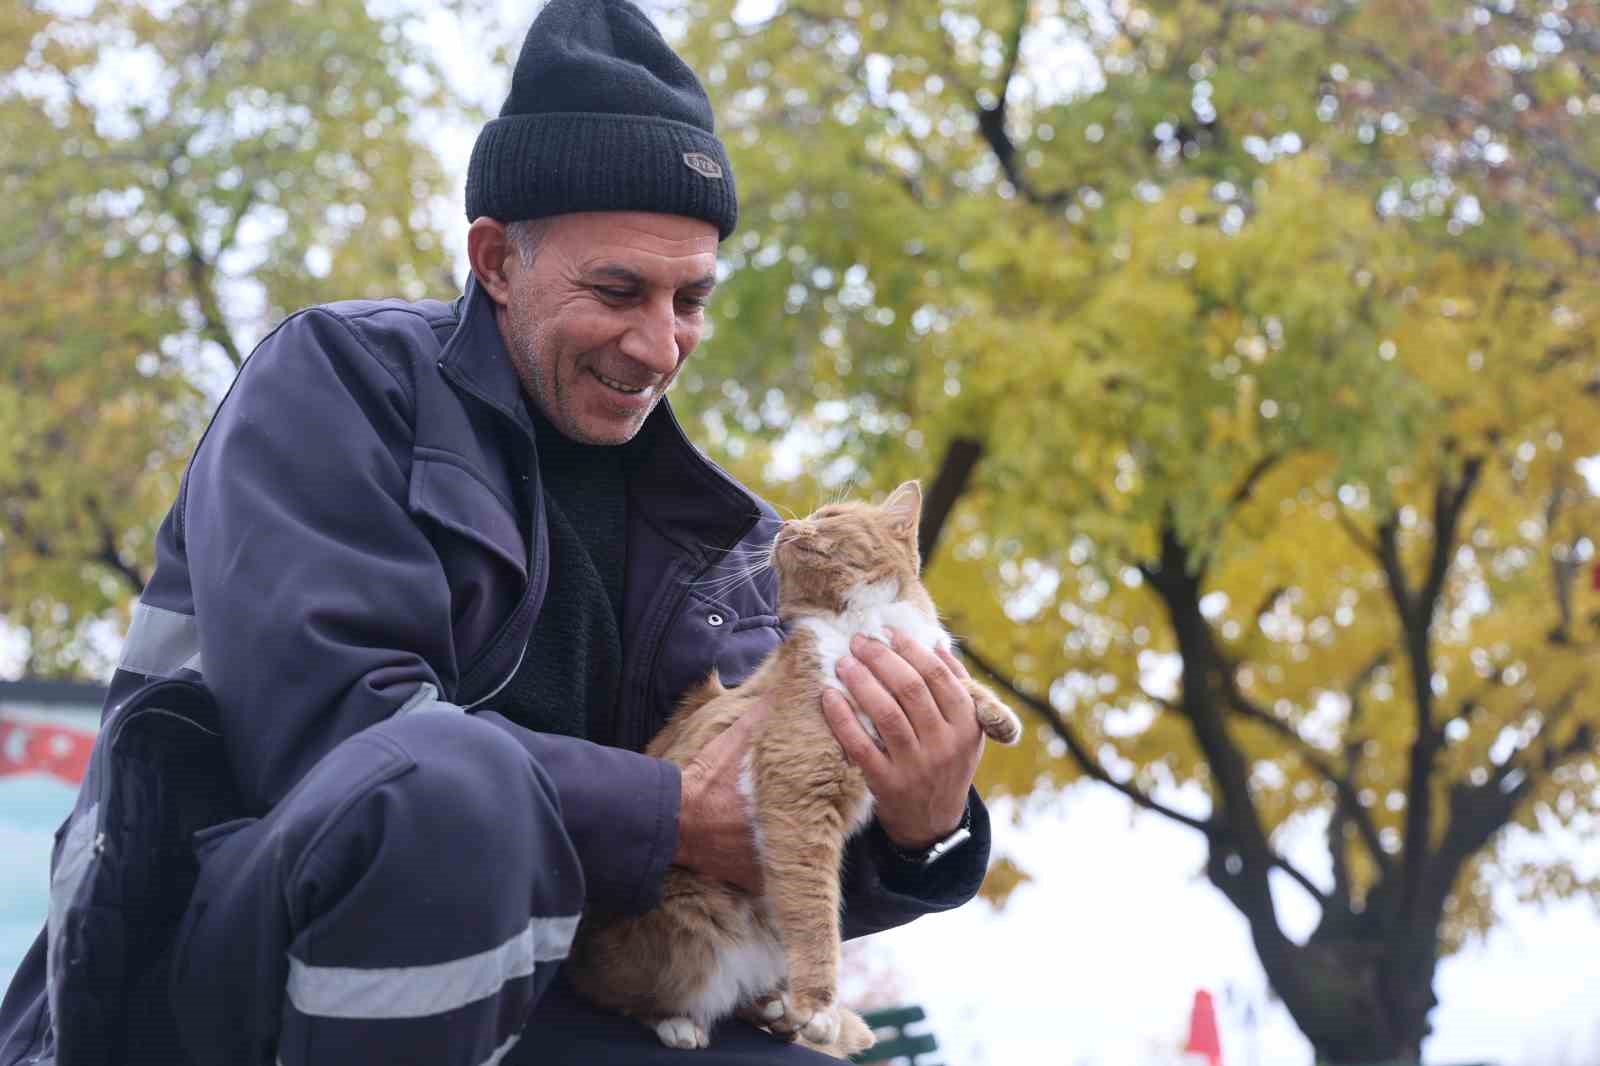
[611, 232]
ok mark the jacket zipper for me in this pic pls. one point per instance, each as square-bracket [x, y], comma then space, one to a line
[523, 654]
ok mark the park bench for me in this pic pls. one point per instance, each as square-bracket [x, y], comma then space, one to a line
[897, 1043]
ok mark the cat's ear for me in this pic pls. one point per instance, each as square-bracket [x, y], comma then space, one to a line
[904, 509]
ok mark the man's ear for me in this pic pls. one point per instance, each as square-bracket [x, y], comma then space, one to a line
[488, 249]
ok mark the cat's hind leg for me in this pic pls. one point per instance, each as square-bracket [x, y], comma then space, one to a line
[763, 1010]
[801, 867]
[683, 1033]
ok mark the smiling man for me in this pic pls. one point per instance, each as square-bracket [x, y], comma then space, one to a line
[441, 570]
[599, 310]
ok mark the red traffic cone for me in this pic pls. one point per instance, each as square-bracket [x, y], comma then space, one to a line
[1204, 1040]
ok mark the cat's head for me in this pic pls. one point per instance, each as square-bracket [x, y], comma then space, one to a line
[833, 552]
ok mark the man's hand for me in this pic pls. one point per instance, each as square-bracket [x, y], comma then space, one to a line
[715, 837]
[919, 702]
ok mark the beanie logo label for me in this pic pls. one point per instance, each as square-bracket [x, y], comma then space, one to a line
[702, 164]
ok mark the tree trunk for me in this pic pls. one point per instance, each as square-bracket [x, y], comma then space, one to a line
[1373, 988]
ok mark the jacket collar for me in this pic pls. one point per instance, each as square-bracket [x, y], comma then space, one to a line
[475, 357]
[690, 499]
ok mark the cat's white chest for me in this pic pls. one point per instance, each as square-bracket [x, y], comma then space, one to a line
[870, 611]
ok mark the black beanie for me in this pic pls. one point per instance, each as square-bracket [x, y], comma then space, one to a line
[602, 116]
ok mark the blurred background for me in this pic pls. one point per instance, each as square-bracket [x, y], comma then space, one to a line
[1248, 352]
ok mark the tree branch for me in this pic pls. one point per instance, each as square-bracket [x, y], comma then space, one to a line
[1477, 813]
[1252, 478]
[1013, 49]
[1550, 754]
[955, 472]
[1394, 572]
[992, 124]
[1081, 755]
[1416, 617]
[1564, 565]
[1178, 583]
[1317, 760]
[1449, 501]
[109, 554]
[1353, 531]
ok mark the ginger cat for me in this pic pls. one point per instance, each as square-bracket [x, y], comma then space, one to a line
[710, 949]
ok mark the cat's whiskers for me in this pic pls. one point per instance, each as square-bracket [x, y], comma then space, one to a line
[729, 577]
[717, 584]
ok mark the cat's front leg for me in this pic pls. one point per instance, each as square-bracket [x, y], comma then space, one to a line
[994, 717]
[854, 1036]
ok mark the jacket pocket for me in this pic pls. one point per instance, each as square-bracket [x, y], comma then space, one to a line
[455, 499]
[711, 634]
[474, 531]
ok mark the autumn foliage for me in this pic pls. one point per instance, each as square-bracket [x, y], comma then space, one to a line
[1275, 330]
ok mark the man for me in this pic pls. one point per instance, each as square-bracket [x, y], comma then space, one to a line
[445, 569]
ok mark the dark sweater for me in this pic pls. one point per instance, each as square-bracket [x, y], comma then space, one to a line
[571, 672]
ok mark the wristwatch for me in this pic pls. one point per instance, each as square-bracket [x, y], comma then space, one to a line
[939, 848]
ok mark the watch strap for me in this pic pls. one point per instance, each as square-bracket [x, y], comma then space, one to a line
[938, 849]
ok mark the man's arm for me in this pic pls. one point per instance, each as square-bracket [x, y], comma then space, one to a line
[322, 606]
[882, 889]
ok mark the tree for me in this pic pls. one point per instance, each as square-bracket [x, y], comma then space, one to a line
[1280, 522]
[175, 177]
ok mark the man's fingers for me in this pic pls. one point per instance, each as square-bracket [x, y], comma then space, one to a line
[904, 684]
[858, 747]
[880, 705]
[947, 688]
[953, 661]
[732, 741]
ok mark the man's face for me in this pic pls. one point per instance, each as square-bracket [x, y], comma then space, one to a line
[600, 322]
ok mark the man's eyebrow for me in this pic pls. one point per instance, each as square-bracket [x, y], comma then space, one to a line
[615, 272]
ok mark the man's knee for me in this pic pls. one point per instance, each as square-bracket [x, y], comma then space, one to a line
[475, 771]
[445, 794]
[426, 841]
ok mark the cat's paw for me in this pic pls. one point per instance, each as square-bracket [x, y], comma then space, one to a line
[995, 718]
[770, 1009]
[809, 1017]
[855, 1036]
[1005, 727]
[762, 1011]
[682, 1033]
[823, 1026]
